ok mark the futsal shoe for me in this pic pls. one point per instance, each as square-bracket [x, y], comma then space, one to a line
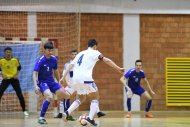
[42, 121]
[26, 113]
[128, 115]
[92, 122]
[70, 118]
[65, 116]
[147, 115]
[59, 115]
[100, 114]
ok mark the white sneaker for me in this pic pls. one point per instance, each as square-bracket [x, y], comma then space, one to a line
[26, 113]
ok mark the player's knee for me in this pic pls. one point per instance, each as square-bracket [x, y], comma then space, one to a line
[149, 98]
[49, 97]
[67, 96]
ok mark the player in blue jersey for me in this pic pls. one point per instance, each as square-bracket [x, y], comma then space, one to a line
[45, 70]
[133, 78]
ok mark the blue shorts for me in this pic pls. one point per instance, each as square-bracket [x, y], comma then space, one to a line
[138, 91]
[53, 87]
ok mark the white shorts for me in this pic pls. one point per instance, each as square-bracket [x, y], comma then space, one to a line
[70, 90]
[85, 88]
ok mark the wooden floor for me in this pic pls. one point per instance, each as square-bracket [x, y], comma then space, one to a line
[112, 119]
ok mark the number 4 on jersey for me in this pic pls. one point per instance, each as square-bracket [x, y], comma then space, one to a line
[80, 59]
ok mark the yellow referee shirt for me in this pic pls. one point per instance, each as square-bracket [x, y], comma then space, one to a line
[9, 67]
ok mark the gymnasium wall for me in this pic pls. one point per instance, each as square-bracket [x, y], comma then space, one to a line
[107, 29]
[162, 36]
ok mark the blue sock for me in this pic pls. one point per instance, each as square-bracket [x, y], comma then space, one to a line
[44, 108]
[66, 104]
[148, 105]
[129, 104]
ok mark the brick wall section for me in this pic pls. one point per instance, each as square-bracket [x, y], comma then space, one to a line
[13, 24]
[107, 29]
[162, 36]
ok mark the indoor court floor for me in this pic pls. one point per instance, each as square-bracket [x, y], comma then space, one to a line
[112, 119]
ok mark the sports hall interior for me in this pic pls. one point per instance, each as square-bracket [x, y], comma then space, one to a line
[154, 31]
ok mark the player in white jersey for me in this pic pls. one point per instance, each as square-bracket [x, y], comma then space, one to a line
[64, 105]
[83, 82]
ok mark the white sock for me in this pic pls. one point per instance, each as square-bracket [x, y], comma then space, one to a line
[41, 118]
[61, 107]
[74, 106]
[93, 109]
[98, 108]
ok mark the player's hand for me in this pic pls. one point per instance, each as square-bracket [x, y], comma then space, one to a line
[121, 70]
[129, 93]
[152, 92]
[15, 77]
[4, 76]
[62, 82]
[37, 90]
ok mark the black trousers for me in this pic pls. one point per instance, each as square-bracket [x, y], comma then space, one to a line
[16, 85]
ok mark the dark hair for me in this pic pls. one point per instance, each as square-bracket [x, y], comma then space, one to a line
[138, 61]
[74, 50]
[8, 48]
[48, 45]
[92, 42]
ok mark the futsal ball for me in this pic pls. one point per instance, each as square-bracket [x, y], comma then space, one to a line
[82, 120]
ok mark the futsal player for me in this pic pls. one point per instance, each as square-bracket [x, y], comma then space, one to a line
[133, 78]
[10, 68]
[83, 82]
[46, 66]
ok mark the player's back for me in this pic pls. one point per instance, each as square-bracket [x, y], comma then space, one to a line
[84, 63]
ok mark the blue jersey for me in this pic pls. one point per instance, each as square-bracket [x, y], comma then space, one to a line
[45, 67]
[134, 78]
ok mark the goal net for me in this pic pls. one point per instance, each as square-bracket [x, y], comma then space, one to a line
[57, 21]
[27, 53]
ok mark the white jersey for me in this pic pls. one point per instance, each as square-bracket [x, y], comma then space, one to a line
[69, 76]
[84, 63]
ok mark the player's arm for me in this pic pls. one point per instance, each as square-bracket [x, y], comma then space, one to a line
[18, 69]
[148, 85]
[0, 66]
[112, 64]
[63, 73]
[35, 80]
[0, 69]
[56, 73]
[124, 82]
[0, 72]
[66, 72]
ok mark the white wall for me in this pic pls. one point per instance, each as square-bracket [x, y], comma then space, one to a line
[131, 50]
[32, 25]
[99, 6]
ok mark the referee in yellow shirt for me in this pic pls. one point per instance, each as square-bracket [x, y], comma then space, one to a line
[10, 68]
